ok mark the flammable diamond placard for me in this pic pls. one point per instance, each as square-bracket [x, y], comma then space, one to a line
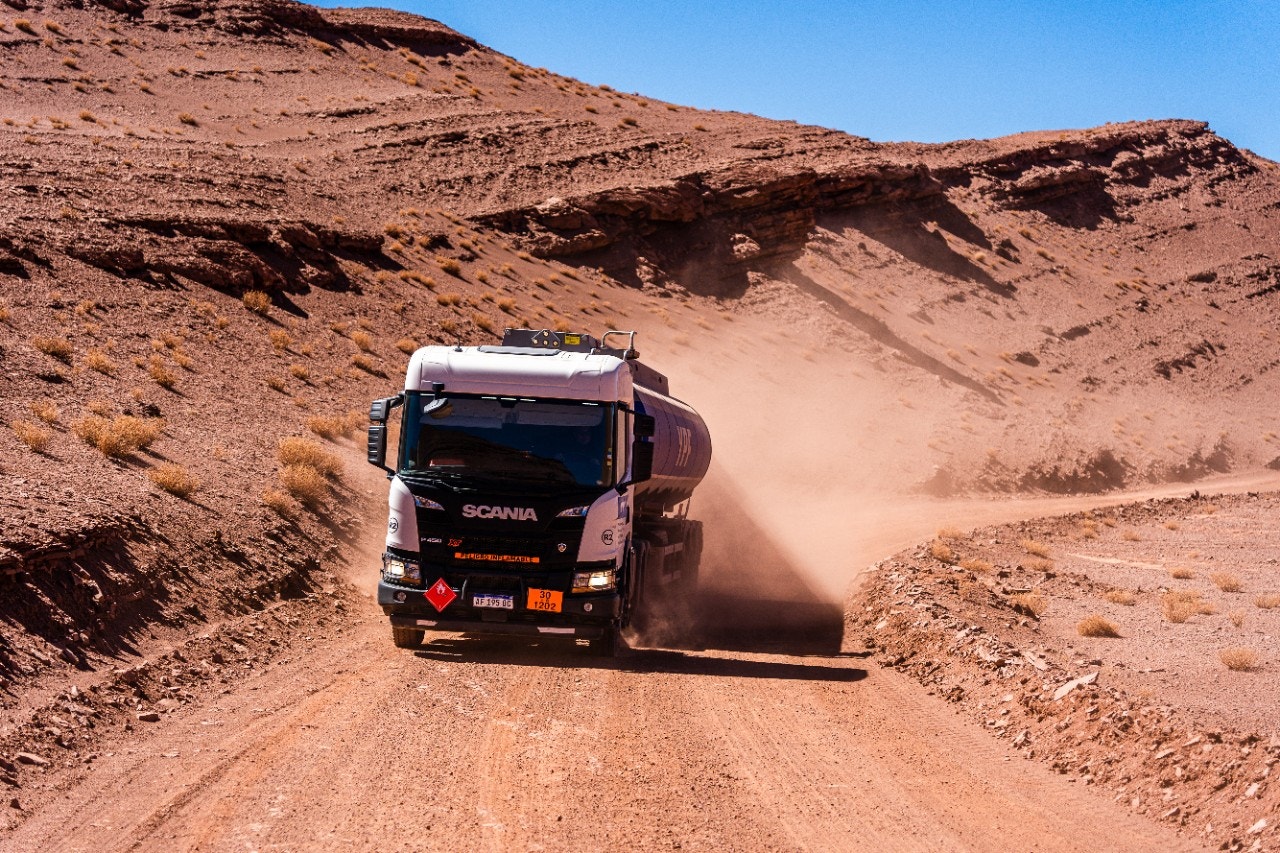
[440, 595]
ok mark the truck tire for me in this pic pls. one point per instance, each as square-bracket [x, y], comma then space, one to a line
[606, 645]
[406, 638]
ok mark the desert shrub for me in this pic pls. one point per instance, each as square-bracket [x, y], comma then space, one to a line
[407, 345]
[305, 484]
[300, 371]
[1267, 602]
[1172, 525]
[447, 299]
[275, 383]
[1120, 596]
[363, 340]
[973, 564]
[953, 533]
[942, 552]
[31, 435]
[97, 360]
[507, 304]
[188, 118]
[1039, 565]
[1179, 605]
[482, 321]
[297, 451]
[280, 340]
[174, 479]
[451, 266]
[332, 426]
[1029, 603]
[46, 411]
[1130, 535]
[1097, 626]
[59, 348]
[1034, 548]
[1226, 581]
[120, 436]
[1110, 521]
[25, 25]
[363, 362]
[1239, 659]
[160, 372]
[1181, 573]
[1237, 618]
[279, 502]
[257, 301]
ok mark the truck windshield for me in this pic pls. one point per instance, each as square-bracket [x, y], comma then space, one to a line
[561, 441]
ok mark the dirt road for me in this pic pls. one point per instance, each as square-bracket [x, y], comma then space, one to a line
[495, 743]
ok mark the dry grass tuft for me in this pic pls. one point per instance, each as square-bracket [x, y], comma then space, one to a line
[1237, 618]
[297, 451]
[160, 372]
[942, 552]
[408, 346]
[31, 435]
[174, 479]
[305, 484]
[280, 340]
[1037, 549]
[1179, 605]
[300, 371]
[1121, 596]
[1130, 535]
[97, 360]
[1029, 603]
[257, 301]
[1239, 659]
[1038, 565]
[451, 266]
[1269, 601]
[46, 411]
[280, 502]
[363, 362]
[119, 436]
[953, 533]
[1181, 573]
[1226, 581]
[363, 340]
[1097, 626]
[973, 564]
[59, 348]
[335, 426]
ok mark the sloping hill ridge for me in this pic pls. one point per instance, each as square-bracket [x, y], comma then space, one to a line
[1061, 311]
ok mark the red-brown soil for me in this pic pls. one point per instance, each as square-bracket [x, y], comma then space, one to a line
[882, 338]
[1161, 722]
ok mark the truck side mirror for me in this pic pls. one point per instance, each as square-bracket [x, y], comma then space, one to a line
[641, 461]
[380, 410]
[378, 446]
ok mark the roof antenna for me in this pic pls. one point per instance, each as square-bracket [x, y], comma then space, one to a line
[457, 346]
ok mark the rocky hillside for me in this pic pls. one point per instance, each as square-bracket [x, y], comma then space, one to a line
[226, 223]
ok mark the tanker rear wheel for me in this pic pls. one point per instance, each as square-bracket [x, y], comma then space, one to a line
[608, 643]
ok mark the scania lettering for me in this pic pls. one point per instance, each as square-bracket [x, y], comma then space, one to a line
[539, 487]
[518, 513]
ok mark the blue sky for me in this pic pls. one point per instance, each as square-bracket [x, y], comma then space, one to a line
[906, 70]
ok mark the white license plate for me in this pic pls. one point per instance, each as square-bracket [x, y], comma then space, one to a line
[502, 602]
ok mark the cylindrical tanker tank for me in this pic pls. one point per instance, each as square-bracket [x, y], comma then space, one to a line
[681, 453]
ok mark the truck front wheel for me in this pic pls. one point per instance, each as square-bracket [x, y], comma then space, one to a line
[606, 645]
[406, 638]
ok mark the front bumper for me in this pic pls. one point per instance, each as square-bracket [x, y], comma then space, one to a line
[583, 615]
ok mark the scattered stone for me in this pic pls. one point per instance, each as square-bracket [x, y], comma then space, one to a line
[1073, 684]
[1037, 662]
[32, 759]
[1258, 827]
[149, 717]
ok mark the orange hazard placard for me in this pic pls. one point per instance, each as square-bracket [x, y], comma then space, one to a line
[546, 600]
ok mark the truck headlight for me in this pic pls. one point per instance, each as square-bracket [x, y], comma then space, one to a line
[594, 581]
[425, 503]
[573, 512]
[401, 570]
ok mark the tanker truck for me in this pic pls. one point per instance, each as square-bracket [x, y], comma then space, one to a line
[540, 487]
